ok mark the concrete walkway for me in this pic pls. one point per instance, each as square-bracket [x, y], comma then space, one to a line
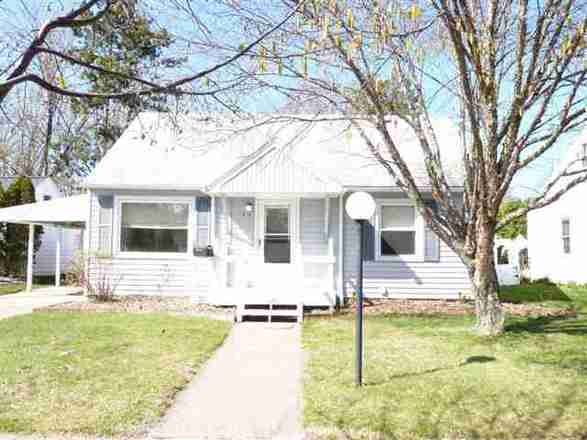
[250, 389]
[23, 302]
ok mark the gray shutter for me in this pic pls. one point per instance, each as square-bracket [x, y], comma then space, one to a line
[202, 224]
[432, 242]
[369, 241]
[105, 204]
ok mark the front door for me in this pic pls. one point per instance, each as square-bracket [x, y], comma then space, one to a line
[277, 233]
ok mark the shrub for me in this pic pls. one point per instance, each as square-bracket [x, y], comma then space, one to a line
[76, 272]
[99, 282]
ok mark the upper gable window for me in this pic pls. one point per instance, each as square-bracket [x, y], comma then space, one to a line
[154, 227]
[46, 197]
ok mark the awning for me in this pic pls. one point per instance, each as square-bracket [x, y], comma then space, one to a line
[65, 212]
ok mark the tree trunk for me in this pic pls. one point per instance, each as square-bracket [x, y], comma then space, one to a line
[490, 318]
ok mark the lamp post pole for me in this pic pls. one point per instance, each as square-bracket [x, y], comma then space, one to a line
[360, 206]
[359, 320]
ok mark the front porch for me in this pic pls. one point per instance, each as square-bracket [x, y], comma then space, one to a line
[280, 250]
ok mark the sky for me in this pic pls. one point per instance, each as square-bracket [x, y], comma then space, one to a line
[16, 17]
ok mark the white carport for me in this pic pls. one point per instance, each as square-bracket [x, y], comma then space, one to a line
[66, 212]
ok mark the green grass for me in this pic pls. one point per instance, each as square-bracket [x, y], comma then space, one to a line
[99, 373]
[544, 293]
[429, 377]
[6, 289]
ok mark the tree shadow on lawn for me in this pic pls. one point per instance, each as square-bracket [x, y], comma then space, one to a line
[480, 359]
[496, 421]
[550, 324]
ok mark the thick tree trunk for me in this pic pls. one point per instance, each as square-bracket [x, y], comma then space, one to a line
[490, 318]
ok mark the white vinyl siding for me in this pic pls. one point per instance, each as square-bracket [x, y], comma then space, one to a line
[105, 206]
[313, 238]
[71, 246]
[202, 224]
[150, 273]
[443, 277]
[432, 243]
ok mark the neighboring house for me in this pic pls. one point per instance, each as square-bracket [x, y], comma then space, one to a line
[71, 241]
[206, 208]
[510, 260]
[557, 237]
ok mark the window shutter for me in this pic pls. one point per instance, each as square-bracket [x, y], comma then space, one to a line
[202, 226]
[432, 242]
[369, 241]
[105, 203]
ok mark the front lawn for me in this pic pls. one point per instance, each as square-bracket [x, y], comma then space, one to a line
[10, 288]
[99, 373]
[6, 289]
[429, 377]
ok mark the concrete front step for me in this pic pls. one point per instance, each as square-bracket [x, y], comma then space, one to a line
[270, 311]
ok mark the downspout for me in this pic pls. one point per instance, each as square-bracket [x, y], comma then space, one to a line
[340, 283]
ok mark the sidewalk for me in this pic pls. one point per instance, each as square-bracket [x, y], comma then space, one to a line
[250, 389]
[25, 302]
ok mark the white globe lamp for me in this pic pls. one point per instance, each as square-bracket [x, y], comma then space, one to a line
[360, 206]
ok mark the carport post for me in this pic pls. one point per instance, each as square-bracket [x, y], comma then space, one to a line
[58, 258]
[29, 263]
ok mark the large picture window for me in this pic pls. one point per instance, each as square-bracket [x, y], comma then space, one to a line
[398, 233]
[154, 227]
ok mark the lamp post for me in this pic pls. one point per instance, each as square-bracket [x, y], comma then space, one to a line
[360, 206]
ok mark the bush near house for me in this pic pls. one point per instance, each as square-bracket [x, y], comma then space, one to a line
[13, 237]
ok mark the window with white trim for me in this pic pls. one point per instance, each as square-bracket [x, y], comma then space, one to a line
[154, 227]
[566, 235]
[399, 231]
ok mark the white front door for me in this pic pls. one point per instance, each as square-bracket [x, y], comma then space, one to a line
[277, 239]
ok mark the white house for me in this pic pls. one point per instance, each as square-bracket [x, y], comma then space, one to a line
[204, 207]
[70, 240]
[557, 236]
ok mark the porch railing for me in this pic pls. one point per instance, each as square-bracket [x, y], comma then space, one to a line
[310, 272]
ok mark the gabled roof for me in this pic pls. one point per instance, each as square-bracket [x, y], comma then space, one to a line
[273, 173]
[262, 153]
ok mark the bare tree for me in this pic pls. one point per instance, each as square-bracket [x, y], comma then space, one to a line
[512, 72]
[89, 12]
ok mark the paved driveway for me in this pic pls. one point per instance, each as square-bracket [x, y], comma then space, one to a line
[250, 389]
[22, 303]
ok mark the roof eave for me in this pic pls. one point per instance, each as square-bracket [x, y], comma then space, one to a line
[455, 188]
[135, 187]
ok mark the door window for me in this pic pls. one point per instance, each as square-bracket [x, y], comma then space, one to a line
[277, 238]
